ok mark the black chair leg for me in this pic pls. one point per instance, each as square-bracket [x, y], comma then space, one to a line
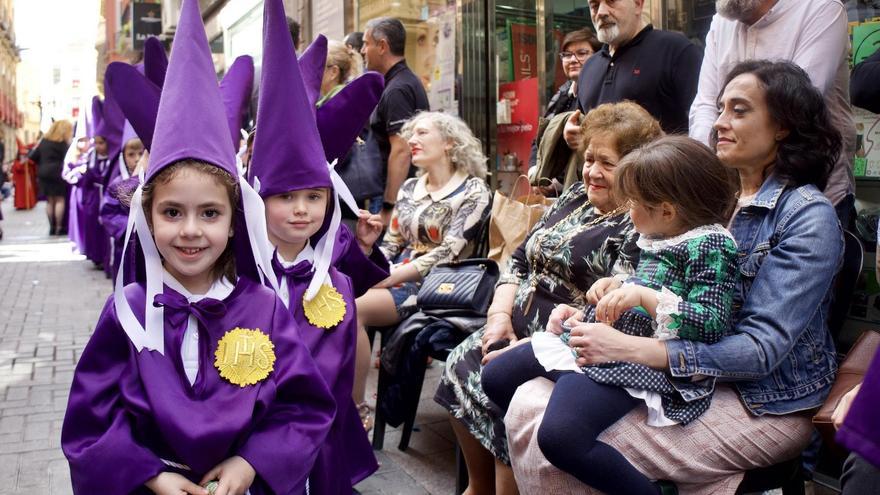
[379, 418]
[413, 407]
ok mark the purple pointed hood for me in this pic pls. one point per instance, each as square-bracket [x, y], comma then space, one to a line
[137, 96]
[288, 154]
[89, 118]
[235, 88]
[342, 118]
[191, 122]
[155, 61]
[112, 120]
[311, 66]
[97, 115]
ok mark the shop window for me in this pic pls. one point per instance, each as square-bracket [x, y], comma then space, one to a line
[430, 43]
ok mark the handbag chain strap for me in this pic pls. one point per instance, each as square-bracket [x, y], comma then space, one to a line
[543, 234]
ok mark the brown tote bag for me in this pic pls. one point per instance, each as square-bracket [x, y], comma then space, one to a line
[511, 221]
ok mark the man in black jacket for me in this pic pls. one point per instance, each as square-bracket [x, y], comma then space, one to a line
[659, 70]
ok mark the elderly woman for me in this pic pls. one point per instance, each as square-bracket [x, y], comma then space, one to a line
[437, 217]
[775, 131]
[585, 235]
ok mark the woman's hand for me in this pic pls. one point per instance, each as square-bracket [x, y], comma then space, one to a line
[173, 484]
[602, 287]
[369, 228]
[497, 352]
[498, 326]
[843, 406]
[563, 314]
[619, 300]
[596, 343]
[235, 475]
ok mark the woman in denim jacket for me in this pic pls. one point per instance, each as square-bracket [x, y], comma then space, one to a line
[778, 365]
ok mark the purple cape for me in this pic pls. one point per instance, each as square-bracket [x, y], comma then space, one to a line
[128, 410]
[347, 456]
[860, 431]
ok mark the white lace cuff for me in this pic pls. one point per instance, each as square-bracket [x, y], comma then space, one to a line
[667, 305]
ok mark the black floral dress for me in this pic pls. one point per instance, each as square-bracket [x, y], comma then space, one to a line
[568, 249]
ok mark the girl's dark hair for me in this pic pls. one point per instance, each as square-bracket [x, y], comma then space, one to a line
[808, 154]
[683, 172]
[225, 264]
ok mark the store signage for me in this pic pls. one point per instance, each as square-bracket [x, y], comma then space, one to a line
[146, 21]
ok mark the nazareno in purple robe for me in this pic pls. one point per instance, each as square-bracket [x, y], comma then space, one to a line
[346, 457]
[75, 224]
[860, 431]
[114, 219]
[92, 185]
[128, 410]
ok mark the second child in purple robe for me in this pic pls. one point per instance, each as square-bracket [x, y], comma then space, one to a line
[290, 170]
[113, 212]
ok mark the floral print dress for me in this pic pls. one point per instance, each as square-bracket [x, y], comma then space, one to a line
[571, 247]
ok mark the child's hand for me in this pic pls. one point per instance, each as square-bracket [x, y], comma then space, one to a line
[234, 474]
[369, 228]
[173, 484]
[600, 288]
[614, 303]
[562, 314]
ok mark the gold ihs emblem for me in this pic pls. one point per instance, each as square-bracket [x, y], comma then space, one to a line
[326, 309]
[244, 356]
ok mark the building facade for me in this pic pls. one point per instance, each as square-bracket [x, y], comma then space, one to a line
[10, 116]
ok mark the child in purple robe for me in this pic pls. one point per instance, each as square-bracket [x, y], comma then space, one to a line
[183, 381]
[289, 169]
[114, 213]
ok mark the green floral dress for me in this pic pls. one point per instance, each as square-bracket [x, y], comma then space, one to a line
[568, 249]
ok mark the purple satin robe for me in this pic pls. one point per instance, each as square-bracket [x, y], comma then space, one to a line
[114, 220]
[75, 223]
[92, 185]
[347, 456]
[128, 410]
[860, 431]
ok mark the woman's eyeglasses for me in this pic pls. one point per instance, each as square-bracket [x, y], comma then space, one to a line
[581, 55]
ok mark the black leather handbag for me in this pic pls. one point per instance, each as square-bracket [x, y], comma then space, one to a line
[466, 285]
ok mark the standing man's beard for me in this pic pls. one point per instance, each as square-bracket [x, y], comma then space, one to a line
[737, 10]
[607, 29]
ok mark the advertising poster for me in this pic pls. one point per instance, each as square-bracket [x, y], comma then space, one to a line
[515, 138]
[523, 51]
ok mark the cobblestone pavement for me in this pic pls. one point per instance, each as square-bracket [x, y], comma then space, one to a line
[50, 299]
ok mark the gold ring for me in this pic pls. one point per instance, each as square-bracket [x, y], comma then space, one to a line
[577, 349]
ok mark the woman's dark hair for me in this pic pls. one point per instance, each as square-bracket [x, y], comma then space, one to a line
[580, 35]
[813, 145]
[683, 172]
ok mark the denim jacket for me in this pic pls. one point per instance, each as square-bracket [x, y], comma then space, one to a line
[780, 356]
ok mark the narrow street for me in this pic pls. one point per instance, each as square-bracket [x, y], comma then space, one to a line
[50, 299]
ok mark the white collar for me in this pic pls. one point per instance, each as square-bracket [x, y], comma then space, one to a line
[421, 190]
[659, 243]
[219, 290]
[307, 254]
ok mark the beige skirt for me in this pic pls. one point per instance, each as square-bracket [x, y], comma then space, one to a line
[708, 456]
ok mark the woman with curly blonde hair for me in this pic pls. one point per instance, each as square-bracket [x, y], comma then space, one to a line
[49, 157]
[437, 216]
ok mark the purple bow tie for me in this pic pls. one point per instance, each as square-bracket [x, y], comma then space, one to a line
[178, 308]
[301, 269]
